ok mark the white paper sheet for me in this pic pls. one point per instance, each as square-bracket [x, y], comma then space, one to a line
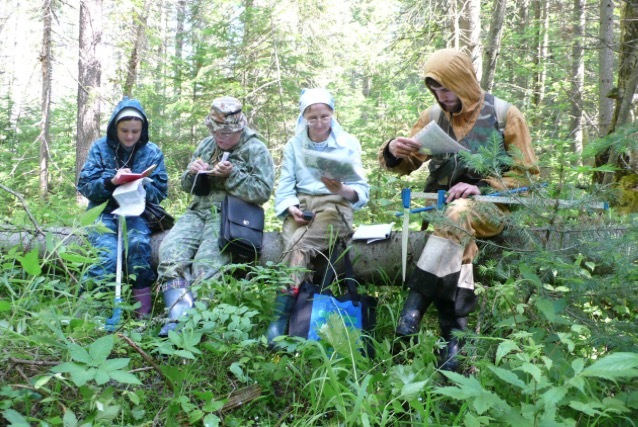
[434, 140]
[373, 233]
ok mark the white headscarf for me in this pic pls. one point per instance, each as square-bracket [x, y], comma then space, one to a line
[317, 96]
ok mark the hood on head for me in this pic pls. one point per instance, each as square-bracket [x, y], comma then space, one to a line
[111, 129]
[453, 69]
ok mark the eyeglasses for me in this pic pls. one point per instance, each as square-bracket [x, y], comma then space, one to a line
[224, 135]
[324, 120]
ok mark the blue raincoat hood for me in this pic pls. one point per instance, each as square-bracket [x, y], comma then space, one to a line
[111, 129]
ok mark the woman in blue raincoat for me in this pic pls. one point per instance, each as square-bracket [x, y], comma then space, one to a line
[125, 149]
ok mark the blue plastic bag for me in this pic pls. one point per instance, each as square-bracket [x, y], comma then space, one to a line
[323, 306]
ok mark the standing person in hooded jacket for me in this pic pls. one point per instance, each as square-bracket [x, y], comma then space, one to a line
[472, 117]
[125, 149]
[232, 160]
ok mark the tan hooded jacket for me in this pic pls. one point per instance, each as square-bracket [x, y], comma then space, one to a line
[453, 69]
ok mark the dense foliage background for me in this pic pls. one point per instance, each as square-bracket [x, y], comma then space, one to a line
[555, 340]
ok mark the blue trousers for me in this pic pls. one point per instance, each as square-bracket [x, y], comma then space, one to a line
[138, 261]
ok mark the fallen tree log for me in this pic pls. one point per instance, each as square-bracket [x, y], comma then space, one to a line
[378, 263]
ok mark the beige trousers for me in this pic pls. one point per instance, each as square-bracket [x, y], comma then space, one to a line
[332, 220]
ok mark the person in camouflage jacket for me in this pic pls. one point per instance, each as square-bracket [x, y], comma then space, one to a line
[233, 160]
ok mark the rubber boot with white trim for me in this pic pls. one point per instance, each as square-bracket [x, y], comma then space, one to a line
[178, 301]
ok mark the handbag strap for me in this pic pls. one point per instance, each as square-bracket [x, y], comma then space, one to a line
[328, 278]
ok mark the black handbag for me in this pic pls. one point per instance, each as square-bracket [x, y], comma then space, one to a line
[157, 218]
[242, 228]
[316, 303]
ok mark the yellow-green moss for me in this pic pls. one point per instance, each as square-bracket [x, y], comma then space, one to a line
[628, 194]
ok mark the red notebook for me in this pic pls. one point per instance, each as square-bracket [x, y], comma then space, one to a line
[129, 177]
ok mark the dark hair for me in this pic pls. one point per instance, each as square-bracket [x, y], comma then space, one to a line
[432, 84]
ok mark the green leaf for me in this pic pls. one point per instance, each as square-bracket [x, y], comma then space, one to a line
[91, 215]
[505, 348]
[508, 376]
[79, 354]
[211, 420]
[195, 416]
[553, 396]
[133, 397]
[532, 370]
[15, 418]
[83, 376]
[185, 354]
[68, 367]
[41, 381]
[213, 406]
[546, 307]
[616, 365]
[5, 305]
[31, 262]
[70, 420]
[472, 420]
[108, 413]
[453, 392]
[413, 390]
[488, 400]
[578, 365]
[512, 321]
[124, 377]
[101, 349]
[115, 364]
[588, 408]
[71, 257]
[101, 377]
[566, 338]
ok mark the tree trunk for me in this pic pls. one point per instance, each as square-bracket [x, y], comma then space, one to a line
[627, 82]
[45, 59]
[606, 66]
[470, 31]
[542, 22]
[376, 263]
[521, 79]
[454, 24]
[628, 63]
[179, 46]
[494, 44]
[139, 23]
[578, 77]
[89, 80]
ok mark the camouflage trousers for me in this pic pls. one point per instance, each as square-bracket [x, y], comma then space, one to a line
[333, 218]
[190, 252]
[468, 220]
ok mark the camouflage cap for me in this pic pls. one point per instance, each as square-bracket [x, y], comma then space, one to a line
[226, 115]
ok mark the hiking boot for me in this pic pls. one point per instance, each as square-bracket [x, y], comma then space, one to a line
[177, 301]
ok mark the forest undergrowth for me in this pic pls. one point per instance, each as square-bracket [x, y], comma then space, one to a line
[553, 343]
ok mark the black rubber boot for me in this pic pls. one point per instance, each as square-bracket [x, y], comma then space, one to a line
[412, 313]
[448, 358]
[281, 315]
